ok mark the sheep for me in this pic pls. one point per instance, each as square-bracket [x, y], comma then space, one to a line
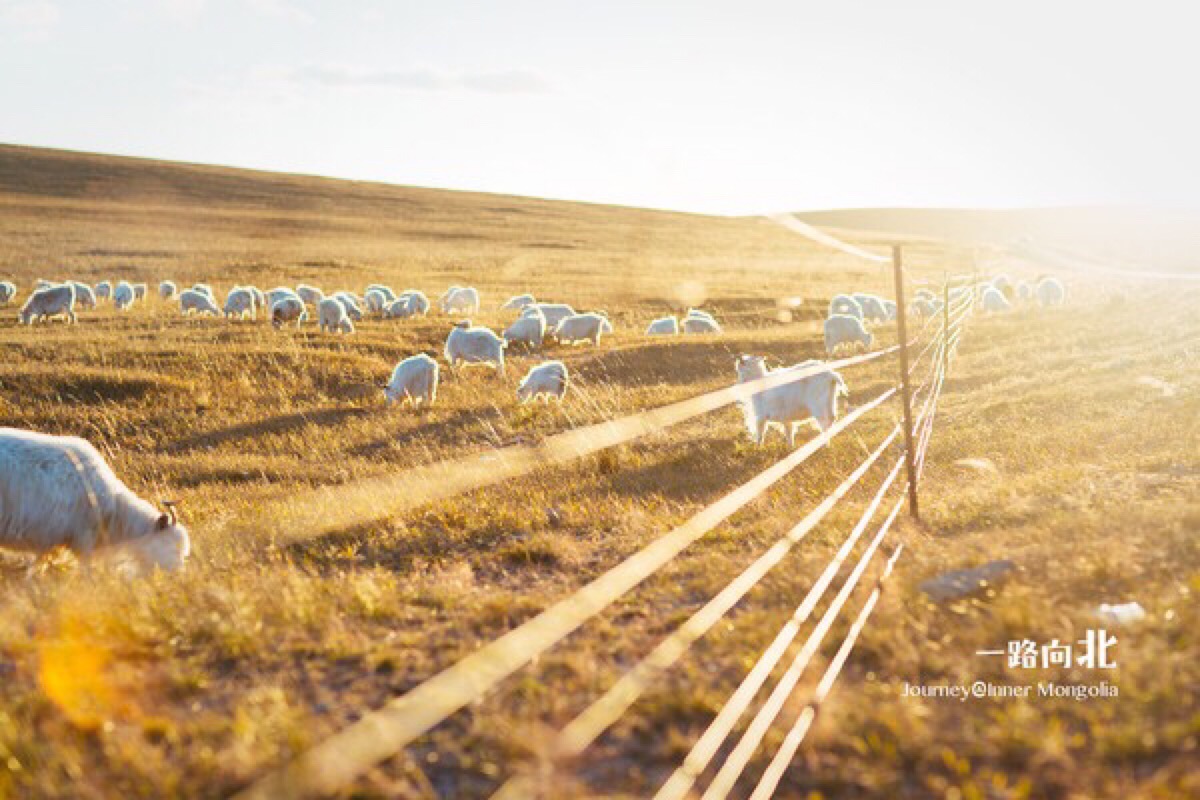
[139, 291]
[460, 300]
[418, 303]
[845, 304]
[872, 306]
[350, 303]
[287, 309]
[205, 289]
[84, 296]
[58, 492]
[50, 302]
[844, 329]
[553, 312]
[529, 329]
[386, 291]
[8, 290]
[333, 317]
[518, 302]
[399, 308]
[241, 302]
[195, 301]
[889, 306]
[1024, 292]
[42, 283]
[376, 301]
[924, 294]
[415, 380]
[544, 381]
[923, 307]
[273, 296]
[260, 297]
[582, 328]
[311, 295]
[467, 345]
[665, 326]
[700, 323]
[167, 289]
[1002, 283]
[103, 290]
[994, 301]
[789, 405]
[1050, 292]
[123, 296]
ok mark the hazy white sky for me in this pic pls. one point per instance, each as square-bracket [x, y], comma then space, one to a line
[735, 107]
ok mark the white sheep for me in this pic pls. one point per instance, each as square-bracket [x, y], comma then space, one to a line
[414, 380]
[332, 316]
[664, 326]
[139, 291]
[923, 307]
[103, 290]
[376, 301]
[311, 295]
[206, 289]
[924, 293]
[529, 329]
[994, 301]
[58, 492]
[240, 303]
[273, 296]
[460, 300]
[418, 303]
[873, 307]
[553, 312]
[700, 323]
[467, 345]
[789, 405]
[844, 329]
[400, 308]
[53, 301]
[1050, 292]
[386, 291]
[84, 296]
[518, 302]
[545, 381]
[582, 328]
[286, 309]
[1024, 292]
[123, 296]
[845, 304]
[167, 289]
[1002, 283]
[8, 291]
[192, 301]
[350, 303]
[260, 297]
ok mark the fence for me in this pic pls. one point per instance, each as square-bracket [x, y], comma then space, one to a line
[378, 735]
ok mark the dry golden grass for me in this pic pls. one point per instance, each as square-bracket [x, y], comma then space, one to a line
[192, 685]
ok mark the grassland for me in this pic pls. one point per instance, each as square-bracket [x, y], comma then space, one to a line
[191, 685]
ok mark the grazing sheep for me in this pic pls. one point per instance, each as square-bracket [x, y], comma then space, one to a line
[553, 312]
[466, 346]
[167, 289]
[350, 303]
[924, 294]
[44, 304]
[139, 291]
[376, 301]
[241, 302]
[529, 329]
[665, 326]
[386, 291]
[418, 303]
[1050, 292]
[42, 283]
[873, 308]
[789, 405]
[1024, 292]
[460, 300]
[923, 307]
[415, 380]
[273, 296]
[123, 296]
[194, 301]
[287, 309]
[311, 295]
[103, 290]
[400, 308]
[1002, 283]
[58, 491]
[518, 302]
[699, 322]
[843, 329]
[8, 290]
[994, 301]
[582, 328]
[84, 296]
[845, 304]
[332, 316]
[544, 381]
[206, 289]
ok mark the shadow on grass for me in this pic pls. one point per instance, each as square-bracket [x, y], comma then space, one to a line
[283, 423]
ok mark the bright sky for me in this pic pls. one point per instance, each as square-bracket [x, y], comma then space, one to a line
[732, 107]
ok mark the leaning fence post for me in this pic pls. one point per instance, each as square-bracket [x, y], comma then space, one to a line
[905, 394]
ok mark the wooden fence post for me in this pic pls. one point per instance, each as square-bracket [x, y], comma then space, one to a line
[905, 392]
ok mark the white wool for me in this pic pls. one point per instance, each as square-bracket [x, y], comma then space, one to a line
[809, 399]
[8, 290]
[528, 329]
[53, 301]
[167, 290]
[700, 323]
[415, 380]
[197, 302]
[123, 296]
[460, 300]
[845, 304]
[467, 345]
[518, 302]
[1050, 292]
[332, 316]
[84, 296]
[582, 328]
[843, 329]
[994, 301]
[311, 295]
[664, 326]
[545, 381]
[386, 291]
[241, 302]
[288, 309]
[553, 312]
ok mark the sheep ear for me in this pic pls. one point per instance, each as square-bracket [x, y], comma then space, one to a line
[163, 522]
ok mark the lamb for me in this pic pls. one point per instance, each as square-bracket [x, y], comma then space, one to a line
[994, 301]
[518, 302]
[789, 405]
[286, 309]
[350, 303]
[311, 295]
[553, 312]
[415, 380]
[139, 291]
[418, 303]
[845, 304]
[376, 301]
[50, 302]
[84, 296]
[843, 329]
[58, 492]
[544, 381]
[700, 322]
[400, 308]
[278, 293]
[103, 290]
[193, 301]
[8, 290]
[467, 346]
[582, 328]
[1050, 292]
[241, 302]
[333, 317]
[386, 291]
[460, 300]
[123, 296]
[665, 326]
[167, 289]
[529, 329]
[873, 307]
